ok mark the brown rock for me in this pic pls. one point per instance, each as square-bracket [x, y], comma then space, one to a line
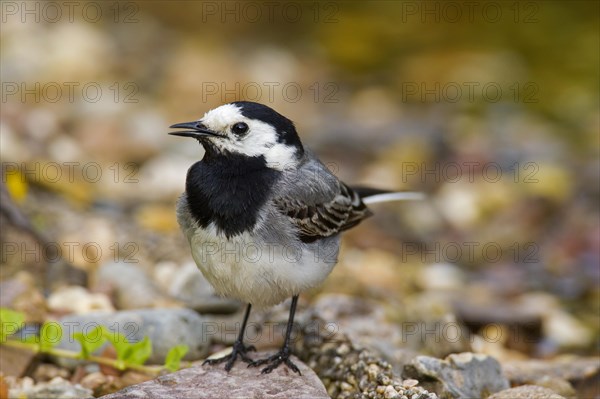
[527, 392]
[461, 375]
[522, 326]
[101, 384]
[15, 362]
[582, 373]
[21, 294]
[57, 388]
[132, 377]
[48, 371]
[3, 388]
[133, 288]
[214, 382]
[558, 385]
[95, 382]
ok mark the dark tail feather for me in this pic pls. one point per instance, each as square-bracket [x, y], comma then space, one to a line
[364, 192]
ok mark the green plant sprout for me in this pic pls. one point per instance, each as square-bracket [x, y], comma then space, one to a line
[130, 355]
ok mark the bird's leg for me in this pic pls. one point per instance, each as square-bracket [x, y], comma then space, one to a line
[239, 349]
[283, 356]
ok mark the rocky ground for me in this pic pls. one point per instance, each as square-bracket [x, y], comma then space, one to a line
[348, 347]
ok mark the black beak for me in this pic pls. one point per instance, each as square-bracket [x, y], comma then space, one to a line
[196, 130]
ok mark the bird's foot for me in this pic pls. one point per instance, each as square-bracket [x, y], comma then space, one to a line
[239, 350]
[274, 361]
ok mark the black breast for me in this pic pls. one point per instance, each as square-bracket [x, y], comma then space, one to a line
[229, 191]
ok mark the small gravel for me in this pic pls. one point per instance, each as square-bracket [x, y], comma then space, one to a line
[351, 372]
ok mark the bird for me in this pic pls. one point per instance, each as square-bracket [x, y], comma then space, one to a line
[263, 215]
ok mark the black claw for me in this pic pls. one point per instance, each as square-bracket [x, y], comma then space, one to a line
[239, 350]
[215, 361]
[291, 365]
[283, 356]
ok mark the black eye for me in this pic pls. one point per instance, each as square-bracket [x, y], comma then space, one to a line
[239, 129]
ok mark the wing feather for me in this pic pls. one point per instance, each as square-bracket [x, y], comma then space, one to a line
[317, 203]
[326, 218]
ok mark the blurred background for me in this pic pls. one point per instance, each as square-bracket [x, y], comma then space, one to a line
[490, 108]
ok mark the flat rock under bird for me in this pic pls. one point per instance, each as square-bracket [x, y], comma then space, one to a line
[262, 214]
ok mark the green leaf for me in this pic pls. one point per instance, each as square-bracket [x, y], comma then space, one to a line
[127, 352]
[10, 322]
[139, 352]
[173, 359]
[118, 341]
[31, 339]
[50, 335]
[90, 342]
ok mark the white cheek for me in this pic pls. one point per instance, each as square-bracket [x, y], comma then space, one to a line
[257, 141]
[281, 157]
[262, 140]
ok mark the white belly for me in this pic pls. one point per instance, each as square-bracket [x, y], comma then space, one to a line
[255, 272]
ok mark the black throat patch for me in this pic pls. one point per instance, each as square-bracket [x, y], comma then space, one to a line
[229, 190]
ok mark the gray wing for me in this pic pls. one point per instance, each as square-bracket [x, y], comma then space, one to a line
[317, 203]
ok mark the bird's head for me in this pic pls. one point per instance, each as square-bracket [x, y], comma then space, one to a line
[249, 129]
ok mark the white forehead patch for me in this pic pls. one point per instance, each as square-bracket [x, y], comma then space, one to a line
[221, 118]
[260, 140]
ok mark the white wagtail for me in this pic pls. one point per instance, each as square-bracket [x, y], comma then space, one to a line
[262, 214]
